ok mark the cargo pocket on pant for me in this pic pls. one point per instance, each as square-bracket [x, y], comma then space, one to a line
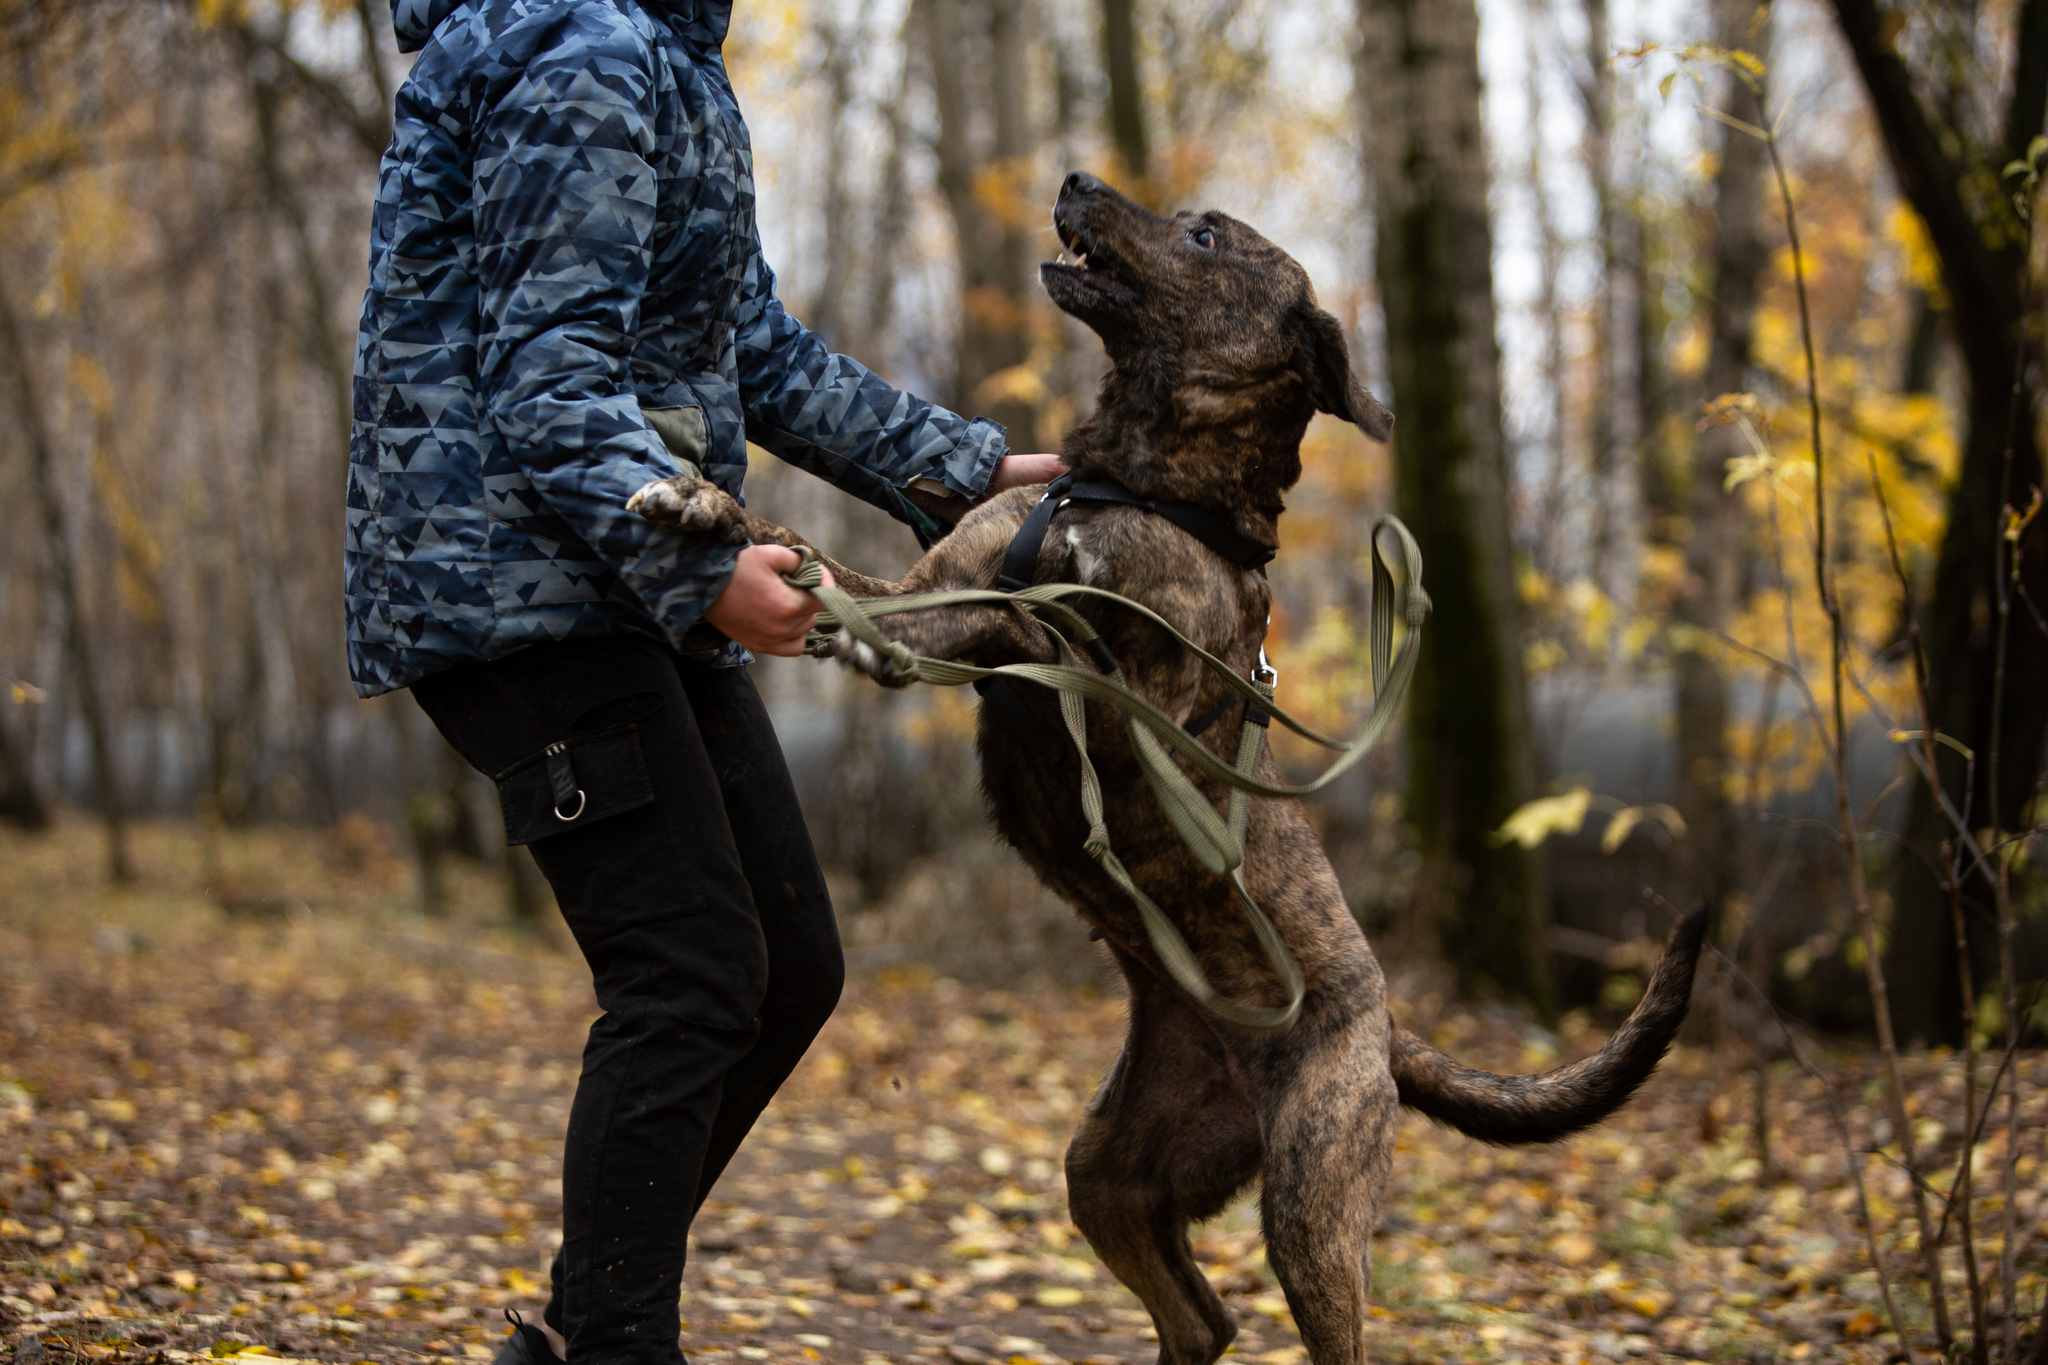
[574, 783]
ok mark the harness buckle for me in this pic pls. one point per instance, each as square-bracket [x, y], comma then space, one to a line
[1263, 672]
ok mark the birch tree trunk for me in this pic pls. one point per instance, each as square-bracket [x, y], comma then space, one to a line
[1470, 752]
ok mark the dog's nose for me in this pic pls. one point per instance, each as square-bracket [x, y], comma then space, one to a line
[1080, 182]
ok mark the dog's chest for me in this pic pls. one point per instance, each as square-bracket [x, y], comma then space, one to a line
[1031, 774]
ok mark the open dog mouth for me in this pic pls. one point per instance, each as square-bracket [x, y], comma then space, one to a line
[1094, 264]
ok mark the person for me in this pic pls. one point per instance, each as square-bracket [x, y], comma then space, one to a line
[568, 300]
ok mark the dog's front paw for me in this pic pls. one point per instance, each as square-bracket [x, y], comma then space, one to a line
[862, 657]
[695, 505]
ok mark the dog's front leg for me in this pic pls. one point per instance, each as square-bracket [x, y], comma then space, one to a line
[700, 507]
[986, 635]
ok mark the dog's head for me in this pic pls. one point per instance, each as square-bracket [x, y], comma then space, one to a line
[1230, 319]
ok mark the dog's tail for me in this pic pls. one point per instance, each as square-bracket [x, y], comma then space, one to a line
[1556, 1104]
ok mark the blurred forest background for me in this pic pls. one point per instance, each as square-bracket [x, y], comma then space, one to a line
[1558, 232]
[1714, 331]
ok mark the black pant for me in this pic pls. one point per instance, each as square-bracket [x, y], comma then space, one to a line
[707, 927]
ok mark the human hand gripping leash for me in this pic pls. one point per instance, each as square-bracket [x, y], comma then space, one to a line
[1217, 841]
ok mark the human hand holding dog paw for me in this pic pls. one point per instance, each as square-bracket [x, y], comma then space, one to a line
[1018, 471]
[759, 610]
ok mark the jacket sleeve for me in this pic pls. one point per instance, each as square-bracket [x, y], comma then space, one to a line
[565, 203]
[840, 420]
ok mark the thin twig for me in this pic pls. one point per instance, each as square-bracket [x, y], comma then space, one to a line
[1779, 666]
[1963, 1191]
[2028, 598]
[1838, 756]
[1851, 1157]
[1866, 922]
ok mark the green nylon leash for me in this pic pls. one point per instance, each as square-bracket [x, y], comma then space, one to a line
[1217, 841]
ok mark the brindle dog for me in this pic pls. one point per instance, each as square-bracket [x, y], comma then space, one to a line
[1219, 356]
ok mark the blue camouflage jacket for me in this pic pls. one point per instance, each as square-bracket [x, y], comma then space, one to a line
[567, 299]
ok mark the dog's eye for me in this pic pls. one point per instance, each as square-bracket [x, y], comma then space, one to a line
[1203, 237]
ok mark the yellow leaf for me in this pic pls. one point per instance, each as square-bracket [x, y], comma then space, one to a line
[1058, 1296]
[1619, 828]
[2016, 522]
[1731, 407]
[1547, 815]
[1573, 1248]
[1651, 1303]
[1743, 468]
[1623, 822]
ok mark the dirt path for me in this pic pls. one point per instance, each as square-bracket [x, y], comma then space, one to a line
[332, 1134]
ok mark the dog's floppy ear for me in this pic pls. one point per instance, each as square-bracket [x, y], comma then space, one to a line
[1331, 385]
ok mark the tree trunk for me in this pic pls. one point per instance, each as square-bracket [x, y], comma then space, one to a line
[329, 348]
[1597, 95]
[1740, 250]
[1977, 239]
[1126, 93]
[832, 316]
[983, 192]
[20, 802]
[57, 547]
[1470, 757]
[892, 207]
[1549, 541]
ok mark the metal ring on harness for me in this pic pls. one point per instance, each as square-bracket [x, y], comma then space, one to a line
[581, 801]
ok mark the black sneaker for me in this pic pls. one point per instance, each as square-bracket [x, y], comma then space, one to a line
[527, 1345]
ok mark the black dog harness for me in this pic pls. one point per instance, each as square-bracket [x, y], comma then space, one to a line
[1020, 565]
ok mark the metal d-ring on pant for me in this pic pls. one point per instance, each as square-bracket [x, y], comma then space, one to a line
[562, 779]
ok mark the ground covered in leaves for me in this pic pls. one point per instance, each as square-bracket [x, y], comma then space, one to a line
[319, 1128]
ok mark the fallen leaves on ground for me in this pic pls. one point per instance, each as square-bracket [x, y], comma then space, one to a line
[332, 1133]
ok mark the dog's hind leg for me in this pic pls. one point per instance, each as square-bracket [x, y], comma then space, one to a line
[1168, 1140]
[1329, 1151]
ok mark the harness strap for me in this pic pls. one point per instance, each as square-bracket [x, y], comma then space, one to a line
[1020, 561]
[1020, 567]
[1211, 528]
[1216, 713]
